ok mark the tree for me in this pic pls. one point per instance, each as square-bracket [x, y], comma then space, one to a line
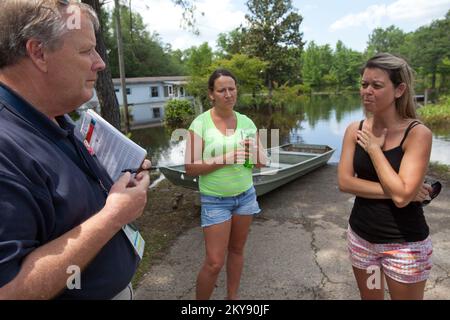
[231, 43]
[104, 86]
[143, 52]
[198, 59]
[317, 62]
[247, 71]
[389, 40]
[179, 113]
[274, 36]
[432, 44]
[198, 63]
[346, 66]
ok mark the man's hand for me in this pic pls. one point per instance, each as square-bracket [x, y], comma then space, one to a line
[128, 196]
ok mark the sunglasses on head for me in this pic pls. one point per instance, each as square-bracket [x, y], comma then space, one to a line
[436, 186]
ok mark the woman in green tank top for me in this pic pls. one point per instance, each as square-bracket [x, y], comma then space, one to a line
[219, 142]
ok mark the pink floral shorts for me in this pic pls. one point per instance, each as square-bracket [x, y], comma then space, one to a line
[408, 262]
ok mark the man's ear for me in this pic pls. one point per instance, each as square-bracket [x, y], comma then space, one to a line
[35, 51]
[400, 90]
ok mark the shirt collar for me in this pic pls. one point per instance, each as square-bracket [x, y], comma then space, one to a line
[22, 108]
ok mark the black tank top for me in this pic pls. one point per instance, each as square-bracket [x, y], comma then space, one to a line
[380, 221]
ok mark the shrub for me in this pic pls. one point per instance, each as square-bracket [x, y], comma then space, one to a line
[179, 113]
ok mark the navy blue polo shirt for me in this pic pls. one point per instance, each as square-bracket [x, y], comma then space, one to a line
[50, 184]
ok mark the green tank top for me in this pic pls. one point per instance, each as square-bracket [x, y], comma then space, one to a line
[231, 179]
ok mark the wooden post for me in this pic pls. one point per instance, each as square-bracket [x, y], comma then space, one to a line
[121, 65]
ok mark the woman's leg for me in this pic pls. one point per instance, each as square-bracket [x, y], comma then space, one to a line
[407, 268]
[216, 243]
[240, 225]
[405, 291]
[370, 284]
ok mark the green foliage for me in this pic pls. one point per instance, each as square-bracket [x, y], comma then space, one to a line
[144, 53]
[438, 114]
[346, 67]
[247, 70]
[198, 59]
[427, 49]
[231, 43]
[179, 113]
[432, 44]
[325, 69]
[274, 36]
[287, 95]
[317, 62]
[198, 62]
[390, 40]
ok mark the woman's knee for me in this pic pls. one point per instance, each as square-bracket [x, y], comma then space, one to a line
[214, 265]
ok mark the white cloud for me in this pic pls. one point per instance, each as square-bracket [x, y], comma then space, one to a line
[401, 10]
[213, 17]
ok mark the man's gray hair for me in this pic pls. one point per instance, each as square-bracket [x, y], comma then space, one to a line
[44, 20]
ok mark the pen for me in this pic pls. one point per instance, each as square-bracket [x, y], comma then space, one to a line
[135, 170]
[131, 170]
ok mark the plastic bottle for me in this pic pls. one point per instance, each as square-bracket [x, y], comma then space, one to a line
[247, 162]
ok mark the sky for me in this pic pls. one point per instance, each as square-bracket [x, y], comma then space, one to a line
[324, 22]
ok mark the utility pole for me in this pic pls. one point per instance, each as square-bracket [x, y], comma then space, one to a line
[121, 65]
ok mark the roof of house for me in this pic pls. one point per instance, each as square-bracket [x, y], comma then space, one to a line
[176, 80]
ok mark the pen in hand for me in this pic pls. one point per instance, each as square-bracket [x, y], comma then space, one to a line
[136, 170]
[131, 170]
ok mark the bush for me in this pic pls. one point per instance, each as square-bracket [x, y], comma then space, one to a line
[436, 114]
[179, 113]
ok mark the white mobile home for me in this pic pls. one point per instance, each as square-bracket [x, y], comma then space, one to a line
[147, 96]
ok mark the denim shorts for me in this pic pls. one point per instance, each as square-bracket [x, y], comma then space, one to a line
[216, 210]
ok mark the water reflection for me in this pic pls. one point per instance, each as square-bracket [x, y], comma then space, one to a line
[313, 120]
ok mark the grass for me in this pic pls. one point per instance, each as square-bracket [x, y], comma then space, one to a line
[170, 211]
[439, 171]
[438, 114]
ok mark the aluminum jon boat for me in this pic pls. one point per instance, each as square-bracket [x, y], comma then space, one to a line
[293, 161]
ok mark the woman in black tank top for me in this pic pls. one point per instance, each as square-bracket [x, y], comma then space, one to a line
[383, 163]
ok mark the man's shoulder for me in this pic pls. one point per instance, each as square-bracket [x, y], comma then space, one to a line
[12, 130]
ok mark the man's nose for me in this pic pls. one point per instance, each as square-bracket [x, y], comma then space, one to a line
[99, 64]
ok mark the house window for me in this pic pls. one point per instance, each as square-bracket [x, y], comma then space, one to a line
[154, 92]
[128, 90]
[156, 113]
[168, 91]
[181, 91]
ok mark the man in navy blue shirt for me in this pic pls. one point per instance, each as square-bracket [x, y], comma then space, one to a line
[60, 213]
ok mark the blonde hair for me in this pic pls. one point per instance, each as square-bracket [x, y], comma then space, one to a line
[399, 72]
[44, 20]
